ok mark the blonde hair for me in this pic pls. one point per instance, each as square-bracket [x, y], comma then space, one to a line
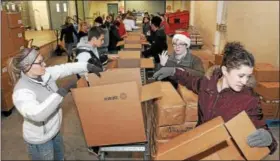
[16, 65]
[81, 25]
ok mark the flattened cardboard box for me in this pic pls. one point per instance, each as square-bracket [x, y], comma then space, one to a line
[265, 72]
[268, 90]
[132, 59]
[170, 107]
[110, 109]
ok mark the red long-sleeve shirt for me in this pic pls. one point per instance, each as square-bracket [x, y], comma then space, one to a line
[122, 30]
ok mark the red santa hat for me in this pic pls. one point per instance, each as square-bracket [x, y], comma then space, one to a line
[183, 36]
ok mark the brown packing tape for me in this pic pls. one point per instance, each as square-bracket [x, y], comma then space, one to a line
[240, 127]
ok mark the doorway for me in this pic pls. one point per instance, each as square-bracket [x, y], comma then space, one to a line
[113, 9]
[58, 13]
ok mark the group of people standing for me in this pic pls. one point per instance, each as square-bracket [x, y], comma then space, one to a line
[224, 91]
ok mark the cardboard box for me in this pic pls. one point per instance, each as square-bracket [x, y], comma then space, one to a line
[132, 59]
[191, 100]
[169, 132]
[270, 110]
[133, 38]
[218, 59]
[110, 108]
[137, 46]
[195, 141]
[265, 72]
[240, 133]
[268, 90]
[225, 138]
[223, 151]
[170, 107]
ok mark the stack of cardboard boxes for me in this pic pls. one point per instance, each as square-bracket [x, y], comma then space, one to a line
[172, 115]
[267, 78]
[12, 42]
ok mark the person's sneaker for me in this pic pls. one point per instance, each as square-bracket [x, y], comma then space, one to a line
[94, 151]
[104, 59]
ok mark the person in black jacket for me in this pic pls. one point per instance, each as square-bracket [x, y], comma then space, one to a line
[114, 38]
[157, 39]
[67, 32]
[108, 21]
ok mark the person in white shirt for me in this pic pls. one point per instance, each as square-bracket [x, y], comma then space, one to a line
[37, 98]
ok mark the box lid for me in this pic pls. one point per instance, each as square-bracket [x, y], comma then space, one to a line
[110, 114]
[240, 127]
[147, 63]
[147, 92]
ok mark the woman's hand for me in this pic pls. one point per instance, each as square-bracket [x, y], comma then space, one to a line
[163, 58]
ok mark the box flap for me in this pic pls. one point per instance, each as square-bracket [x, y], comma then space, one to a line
[110, 114]
[128, 63]
[151, 91]
[116, 76]
[132, 46]
[129, 55]
[185, 146]
[147, 63]
[82, 83]
[240, 127]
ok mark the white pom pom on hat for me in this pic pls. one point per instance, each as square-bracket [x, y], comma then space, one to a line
[183, 36]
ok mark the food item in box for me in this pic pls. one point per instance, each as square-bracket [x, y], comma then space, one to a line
[170, 107]
[265, 72]
[169, 132]
[268, 90]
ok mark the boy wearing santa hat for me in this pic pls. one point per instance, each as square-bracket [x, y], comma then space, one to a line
[182, 56]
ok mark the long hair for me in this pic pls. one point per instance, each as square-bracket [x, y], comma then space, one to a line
[81, 24]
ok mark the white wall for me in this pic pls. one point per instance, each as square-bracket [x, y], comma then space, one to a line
[256, 25]
[41, 18]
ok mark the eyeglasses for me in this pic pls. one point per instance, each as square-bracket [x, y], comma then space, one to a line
[41, 63]
[178, 45]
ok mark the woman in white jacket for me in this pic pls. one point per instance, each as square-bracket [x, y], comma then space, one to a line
[37, 98]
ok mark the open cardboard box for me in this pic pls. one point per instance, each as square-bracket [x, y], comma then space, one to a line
[137, 46]
[110, 107]
[132, 59]
[210, 135]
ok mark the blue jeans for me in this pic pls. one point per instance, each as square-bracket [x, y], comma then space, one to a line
[51, 150]
[69, 47]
